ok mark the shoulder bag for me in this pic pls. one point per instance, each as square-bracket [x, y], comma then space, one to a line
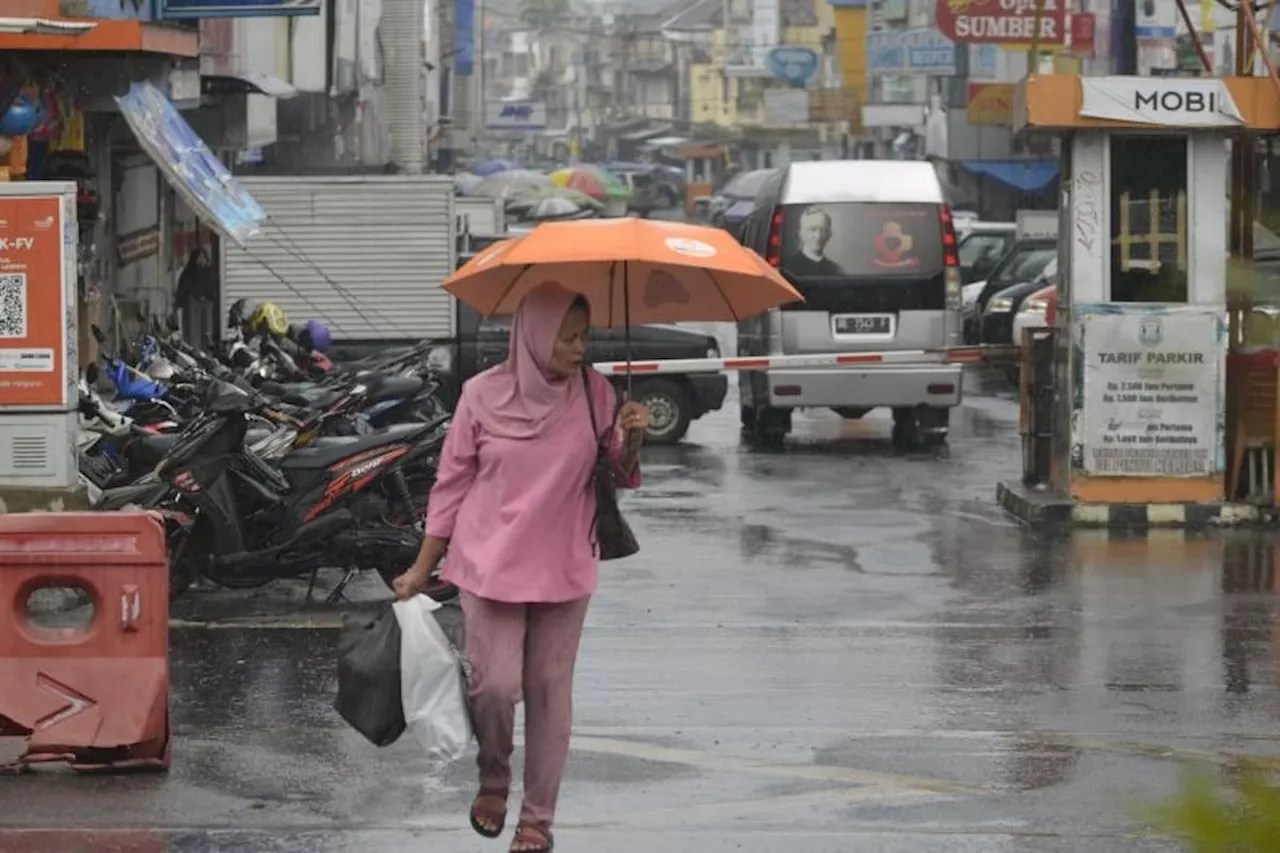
[611, 536]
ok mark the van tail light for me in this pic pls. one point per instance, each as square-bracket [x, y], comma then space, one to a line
[951, 260]
[950, 246]
[773, 249]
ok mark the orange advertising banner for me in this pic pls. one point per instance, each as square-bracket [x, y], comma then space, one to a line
[33, 310]
[990, 103]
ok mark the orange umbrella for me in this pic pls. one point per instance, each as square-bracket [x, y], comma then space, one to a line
[632, 271]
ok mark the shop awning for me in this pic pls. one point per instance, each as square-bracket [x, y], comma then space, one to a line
[1028, 176]
[644, 133]
[189, 166]
[247, 84]
[44, 27]
[666, 141]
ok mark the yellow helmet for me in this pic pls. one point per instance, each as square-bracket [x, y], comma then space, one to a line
[269, 317]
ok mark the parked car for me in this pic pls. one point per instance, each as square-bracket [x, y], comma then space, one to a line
[668, 181]
[997, 317]
[1036, 312]
[1023, 262]
[741, 187]
[982, 245]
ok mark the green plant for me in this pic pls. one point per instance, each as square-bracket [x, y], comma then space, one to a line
[1242, 816]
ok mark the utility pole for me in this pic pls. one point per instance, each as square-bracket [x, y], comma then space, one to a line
[476, 125]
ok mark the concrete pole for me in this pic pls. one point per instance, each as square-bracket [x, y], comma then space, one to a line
[402, 26]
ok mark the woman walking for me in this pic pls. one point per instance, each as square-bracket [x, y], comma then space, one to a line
[514, 508]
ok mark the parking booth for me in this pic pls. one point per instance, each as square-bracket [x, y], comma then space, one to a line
[1133, 424]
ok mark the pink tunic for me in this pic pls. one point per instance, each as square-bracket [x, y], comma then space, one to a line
[517, 513]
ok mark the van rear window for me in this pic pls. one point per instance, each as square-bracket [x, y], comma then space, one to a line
[861, 240]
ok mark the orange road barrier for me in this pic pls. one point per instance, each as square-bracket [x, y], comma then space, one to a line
[96, 694]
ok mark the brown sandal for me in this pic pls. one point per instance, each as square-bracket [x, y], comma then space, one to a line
[489, 813]
[532, 838]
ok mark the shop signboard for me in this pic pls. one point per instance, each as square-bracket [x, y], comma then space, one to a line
[989, 104]
[515, 115]
[1173, 102]
[1004, 22]
[1150, 401]
[794, 64]
[34, 276]
[176, 10]
[923, 50]
[464, 37]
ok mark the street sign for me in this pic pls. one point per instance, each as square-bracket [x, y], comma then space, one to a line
[175, 10]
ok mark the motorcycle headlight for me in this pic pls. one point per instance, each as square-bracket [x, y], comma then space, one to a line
[440, 359]
[1000, 305]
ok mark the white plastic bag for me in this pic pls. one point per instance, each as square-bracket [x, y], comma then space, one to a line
[431, 682]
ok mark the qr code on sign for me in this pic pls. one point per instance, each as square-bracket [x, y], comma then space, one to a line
[13, 306]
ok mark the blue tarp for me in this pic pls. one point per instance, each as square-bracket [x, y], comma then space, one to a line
[1029, 176]
[188, 164]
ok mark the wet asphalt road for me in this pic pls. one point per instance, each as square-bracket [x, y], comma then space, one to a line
[832, 648]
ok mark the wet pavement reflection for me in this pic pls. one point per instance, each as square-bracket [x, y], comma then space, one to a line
[834, 647]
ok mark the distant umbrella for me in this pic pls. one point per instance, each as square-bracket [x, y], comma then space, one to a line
[511, 183]
[527, 201]
[493, 167]
[592, 180]
[465, 182]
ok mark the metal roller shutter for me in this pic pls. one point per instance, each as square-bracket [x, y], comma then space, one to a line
[386, 241]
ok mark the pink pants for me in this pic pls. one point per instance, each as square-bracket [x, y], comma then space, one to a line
[529, 650]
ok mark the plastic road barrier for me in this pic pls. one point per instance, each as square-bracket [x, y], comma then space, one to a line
[95, 695]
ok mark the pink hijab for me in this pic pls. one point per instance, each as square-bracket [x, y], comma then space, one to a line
[518, 399]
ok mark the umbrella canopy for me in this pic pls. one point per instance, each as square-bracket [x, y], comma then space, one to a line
[632, 271]
[465, 182]
[592, 180]
[554, 208]
[493, 167]
[511, 183]
[531, 199]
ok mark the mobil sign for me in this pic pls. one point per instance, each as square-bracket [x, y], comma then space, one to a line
[1003, 21]
[515, 115]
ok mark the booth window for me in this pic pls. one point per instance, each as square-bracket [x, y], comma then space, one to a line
[1148, 219]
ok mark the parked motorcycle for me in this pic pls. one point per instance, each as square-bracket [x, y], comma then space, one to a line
[244, 512]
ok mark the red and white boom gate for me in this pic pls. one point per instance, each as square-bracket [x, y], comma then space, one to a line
[1002, 353]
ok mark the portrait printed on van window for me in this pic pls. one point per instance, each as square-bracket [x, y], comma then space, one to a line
[861, 240]
[808, 252]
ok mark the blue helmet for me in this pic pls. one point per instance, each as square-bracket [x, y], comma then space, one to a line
[148, 350]
[315, 335]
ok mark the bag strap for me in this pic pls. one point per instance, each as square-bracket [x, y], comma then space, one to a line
[602, 439]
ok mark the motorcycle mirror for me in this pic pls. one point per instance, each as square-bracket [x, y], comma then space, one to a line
[98, 334]
[91, 373]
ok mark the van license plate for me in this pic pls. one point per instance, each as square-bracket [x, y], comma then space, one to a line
[859, 325]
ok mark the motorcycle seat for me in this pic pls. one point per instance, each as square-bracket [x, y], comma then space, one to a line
[394, 388]
[156, 445]
[329, 452]
[313, 397]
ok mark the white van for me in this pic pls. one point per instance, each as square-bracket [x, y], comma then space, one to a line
[871, 246]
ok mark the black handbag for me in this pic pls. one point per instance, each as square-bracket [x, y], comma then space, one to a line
[611, 536]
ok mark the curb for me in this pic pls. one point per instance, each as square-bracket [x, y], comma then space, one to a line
[1045, 509]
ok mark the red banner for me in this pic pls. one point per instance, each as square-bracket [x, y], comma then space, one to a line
[1002, 21]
